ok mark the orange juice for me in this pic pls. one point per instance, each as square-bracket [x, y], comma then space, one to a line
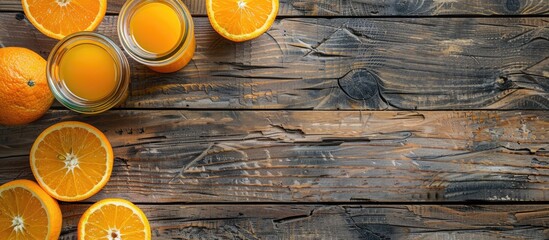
[159, 34]
[88, 71]
[156, 27]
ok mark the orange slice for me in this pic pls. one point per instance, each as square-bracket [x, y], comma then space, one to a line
[71, 160]
[114, 218]
[60, 18]
[27, 212]
[241, 20]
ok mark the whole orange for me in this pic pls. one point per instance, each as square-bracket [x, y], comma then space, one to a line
[24, 92]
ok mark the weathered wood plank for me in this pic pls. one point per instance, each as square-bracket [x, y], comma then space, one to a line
[337, 222]
[369, 7]
[304, 156]
[347, 64]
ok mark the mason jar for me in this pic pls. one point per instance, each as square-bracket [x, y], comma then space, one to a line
[88, 73]
[157, 33]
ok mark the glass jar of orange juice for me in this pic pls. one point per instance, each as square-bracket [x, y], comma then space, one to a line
[88, 73]
[158, 34]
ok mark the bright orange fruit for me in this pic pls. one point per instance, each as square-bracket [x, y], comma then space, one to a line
[24, 92]
[241, 20]
[71, 160]
[27, 212]
[114, 218]
[60, 18]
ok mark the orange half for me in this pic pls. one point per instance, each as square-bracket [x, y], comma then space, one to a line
[27, 212]
[241, 20]
[60, 18]
[114, 218]
[71, 160]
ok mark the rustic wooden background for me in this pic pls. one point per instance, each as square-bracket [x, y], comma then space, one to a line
[372, 119]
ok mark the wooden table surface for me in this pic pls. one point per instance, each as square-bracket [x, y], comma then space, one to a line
[356, 119]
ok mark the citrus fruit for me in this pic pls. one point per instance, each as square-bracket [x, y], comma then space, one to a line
[71, 160]
[241, 20]
[24, 92]
[114, 219]
[27, 212]
[60, 18]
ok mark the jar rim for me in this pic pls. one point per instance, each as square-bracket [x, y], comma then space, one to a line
[135, 51]
[69, 99]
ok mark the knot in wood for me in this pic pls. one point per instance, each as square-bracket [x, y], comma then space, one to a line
[402, 5]
[512, 5]
[359, 84]
[503, 83]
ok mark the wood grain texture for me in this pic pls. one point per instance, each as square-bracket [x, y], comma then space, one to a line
[371, 222]
[369, 7]
[354, 63]
[309, 156]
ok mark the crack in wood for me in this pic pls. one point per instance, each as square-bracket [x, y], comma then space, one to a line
[195, 160]
[242, 66]
[291, 219]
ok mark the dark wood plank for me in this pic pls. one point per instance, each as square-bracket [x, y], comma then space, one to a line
[370, 7]
[304, 156]
[347, 64]
[370, 222]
